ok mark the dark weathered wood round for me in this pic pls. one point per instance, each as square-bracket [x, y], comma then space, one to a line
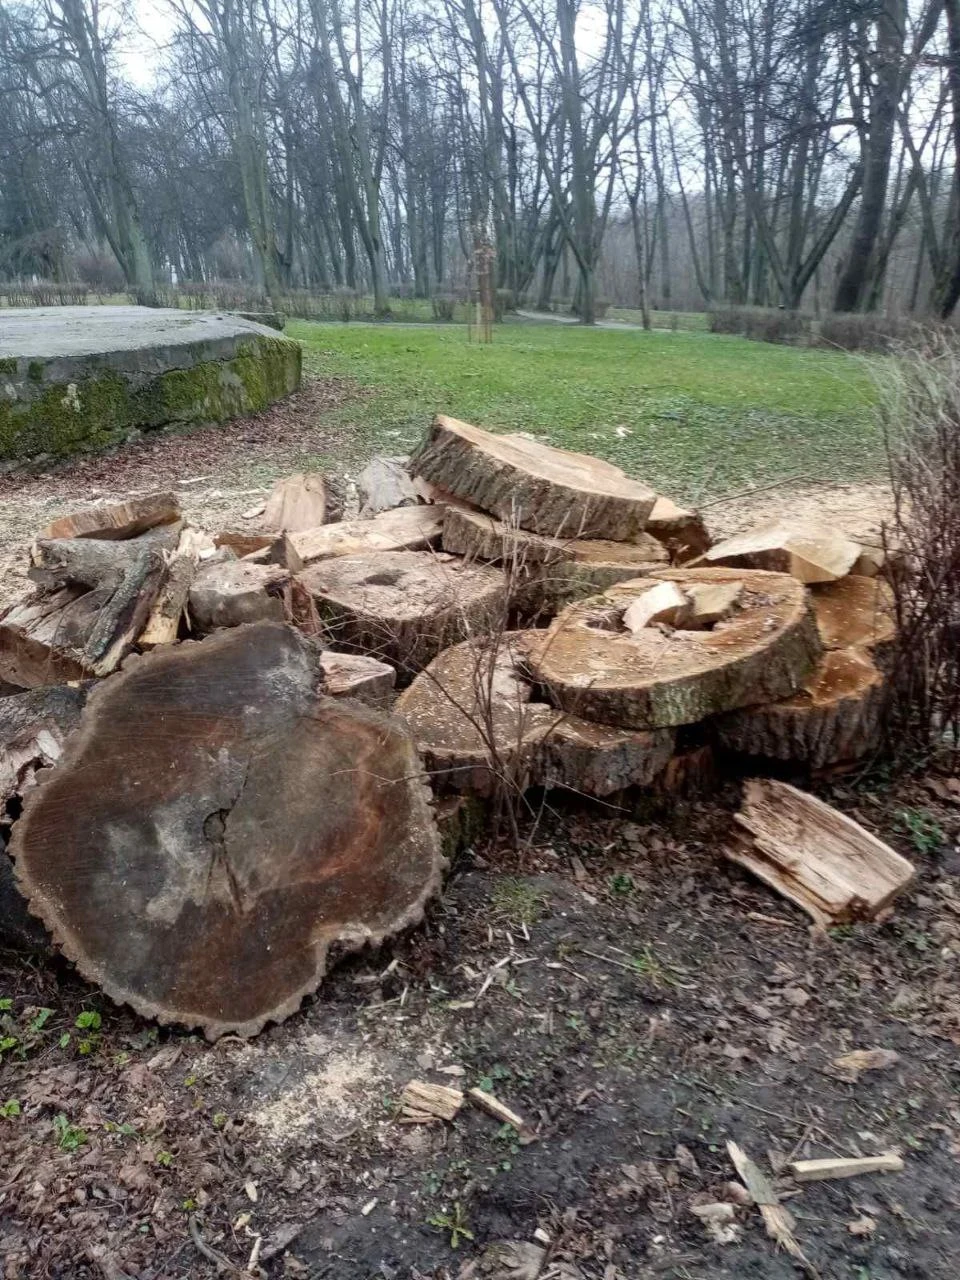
[215, 827]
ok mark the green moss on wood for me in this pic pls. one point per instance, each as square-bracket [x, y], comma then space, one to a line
[98, 410]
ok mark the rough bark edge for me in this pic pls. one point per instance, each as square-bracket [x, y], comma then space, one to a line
[40, 907]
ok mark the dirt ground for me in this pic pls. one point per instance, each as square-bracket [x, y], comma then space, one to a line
[635, 998]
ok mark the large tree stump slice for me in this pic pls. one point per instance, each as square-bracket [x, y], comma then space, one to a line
[834, 718]
[215, 827]
[525, 482]
[404, 606]
[810, 552]
[598, 760]
[856, 612]
[406, 529]
[117, 520]
[297, 502]
[230, 593]
[470, 714]
[590, 665]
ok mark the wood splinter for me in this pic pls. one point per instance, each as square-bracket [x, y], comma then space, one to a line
[422, 1102]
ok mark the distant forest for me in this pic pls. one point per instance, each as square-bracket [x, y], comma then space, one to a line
[679, 155]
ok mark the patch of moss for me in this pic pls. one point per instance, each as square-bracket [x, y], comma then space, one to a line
[8, 367]
[35, 370]
[98, 410]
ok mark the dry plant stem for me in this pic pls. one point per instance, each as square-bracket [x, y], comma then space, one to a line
[920, 415]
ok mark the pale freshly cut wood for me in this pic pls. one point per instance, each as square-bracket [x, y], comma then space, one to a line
[478, 536]
[709, 603]
[116, 520]
[592, 666]
[533, 485]
[816, 856]
[810, 552]
[471, 717]
[420, 1100]
[597, 760]
[776, 1217]
[385, 485]
[214, 828]
[593, 564]
[856, 612]
[163, 624]
[406, 529]
[835, 717]
[404, 606]
[297, 502]
[663, 602]
[243, 542]
[844, 1167]
[355, 675]
[499, 1110]
[681, 531]
[229, 593]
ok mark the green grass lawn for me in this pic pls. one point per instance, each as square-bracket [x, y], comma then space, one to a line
[695, 414]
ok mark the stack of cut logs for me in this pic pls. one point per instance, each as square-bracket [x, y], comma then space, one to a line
[228, 789]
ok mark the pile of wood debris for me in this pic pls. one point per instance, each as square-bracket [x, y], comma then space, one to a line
[232, 787]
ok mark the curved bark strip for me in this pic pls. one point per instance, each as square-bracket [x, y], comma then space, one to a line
[404, 606]
[215, 828]
[547, 490]
[592, 666]
[855, 612]
[834, 718]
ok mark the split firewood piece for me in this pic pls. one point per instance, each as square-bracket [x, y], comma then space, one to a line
[834, 718]
[404, 606]
[163, 624]
[815, 856]
[526, 482]
[199, 861]
[34, 727]
[682, 532]
[421, 1102]
[42, 637]
[855, 612]
[355, 675]
[709, 603]
[499, 1110]
[593, 666]
[81, 562]
[124, 615]
[663, 602]
[598, 760]
[406, 529]
[385, 485]
[810, 552]
[844, 1167]
[471, 717]
[229, 593]
[596, 563]
[117, 520]
[297, 502]
[477, 536]
[776, 1217]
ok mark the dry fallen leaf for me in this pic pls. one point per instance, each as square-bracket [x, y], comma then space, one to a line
[850, 1066]
[862, 1226]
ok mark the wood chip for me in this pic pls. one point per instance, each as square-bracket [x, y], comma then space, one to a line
[423, 1101]
[850, 1066]
[499, 1110]
[843, 1167]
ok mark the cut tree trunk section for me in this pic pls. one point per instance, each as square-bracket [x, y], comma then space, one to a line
[856, 612]
[814, 855]
[811, 553]
[117, 520]
[404, 606]
[298, 502]
[533, 485]
[597, 760]
[592, 666]
[384, 485]
[230, 593]
[833, 719]
[682, 532]
[214, 828]
[407, 529]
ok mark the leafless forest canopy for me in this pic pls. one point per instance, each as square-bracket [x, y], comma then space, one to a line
[683, 154]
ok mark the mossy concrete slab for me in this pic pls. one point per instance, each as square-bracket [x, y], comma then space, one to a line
[74, 379]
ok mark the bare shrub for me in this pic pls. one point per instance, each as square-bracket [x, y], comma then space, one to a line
[920, 410]
[762, 324]
[726, 320]
[443, 306]
[854, 332]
